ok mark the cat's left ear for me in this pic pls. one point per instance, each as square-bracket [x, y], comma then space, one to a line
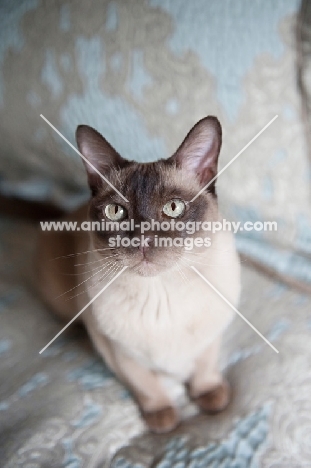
[100, 156]
[198, 153]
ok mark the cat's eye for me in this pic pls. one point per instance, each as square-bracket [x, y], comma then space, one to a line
[174, 208]
[115, 212]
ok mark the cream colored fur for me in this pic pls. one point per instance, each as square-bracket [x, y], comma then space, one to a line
[149, 327]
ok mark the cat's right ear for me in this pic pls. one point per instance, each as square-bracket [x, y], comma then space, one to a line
[100, 156]
[198, 153]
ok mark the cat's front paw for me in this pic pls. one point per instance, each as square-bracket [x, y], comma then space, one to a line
[215, 400]
[161, 420]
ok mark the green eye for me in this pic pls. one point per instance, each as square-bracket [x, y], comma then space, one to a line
[115, 212]
[174, 208]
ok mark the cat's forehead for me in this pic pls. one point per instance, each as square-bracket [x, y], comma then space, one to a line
[157, 180]
[145, 178]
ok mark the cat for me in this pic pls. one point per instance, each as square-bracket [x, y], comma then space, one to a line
[158, 319]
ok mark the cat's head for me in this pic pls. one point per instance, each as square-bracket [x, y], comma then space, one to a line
[159, 191]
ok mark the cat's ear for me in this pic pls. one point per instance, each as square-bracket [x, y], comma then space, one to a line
[198, 153]
[101, 156]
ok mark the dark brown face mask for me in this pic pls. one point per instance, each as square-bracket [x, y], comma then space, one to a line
[158, 191]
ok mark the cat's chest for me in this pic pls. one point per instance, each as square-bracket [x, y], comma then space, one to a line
[154, 308]
[162, 325]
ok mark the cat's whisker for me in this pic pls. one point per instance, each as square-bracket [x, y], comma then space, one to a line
[183, 277]
[183, 272]
[115, 268]
[107, 273]
[193, 253]
[77, 285]
[178, 271]
[210, 248]
[94, 269]
[82, 253]
[85, 271]
[190, 260]
[95, 261]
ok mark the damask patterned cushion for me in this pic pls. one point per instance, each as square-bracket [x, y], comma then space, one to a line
[143, 72]
[64, 409]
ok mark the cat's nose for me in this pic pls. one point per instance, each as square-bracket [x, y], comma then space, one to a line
[146, 244]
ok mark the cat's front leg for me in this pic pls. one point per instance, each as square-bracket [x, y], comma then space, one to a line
[207, 386]
[145, 385]
[155, 405]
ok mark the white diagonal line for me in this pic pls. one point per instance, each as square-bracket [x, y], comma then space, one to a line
[82, 310]
[235, 310]
[84, 158]
[235, 157]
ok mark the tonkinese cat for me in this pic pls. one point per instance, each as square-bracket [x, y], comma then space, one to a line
[158, 319]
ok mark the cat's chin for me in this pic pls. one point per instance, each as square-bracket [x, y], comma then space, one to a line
[146, 268]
